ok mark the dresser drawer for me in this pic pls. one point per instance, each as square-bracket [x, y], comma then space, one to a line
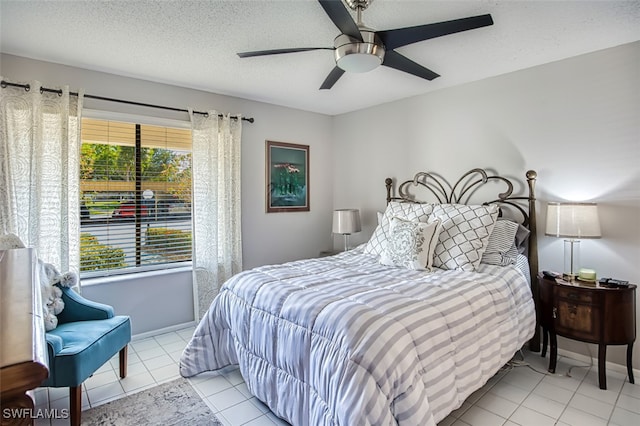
[577, 320]
[575, 295]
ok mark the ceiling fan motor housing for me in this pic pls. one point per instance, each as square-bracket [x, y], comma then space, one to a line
[355, 56]
[358, 4]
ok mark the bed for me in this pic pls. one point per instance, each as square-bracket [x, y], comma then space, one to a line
[376, 336]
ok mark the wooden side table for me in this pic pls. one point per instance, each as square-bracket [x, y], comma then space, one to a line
[589, 313]
[326, 253]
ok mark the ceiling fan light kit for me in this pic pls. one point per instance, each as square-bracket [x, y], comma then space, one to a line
[360, 49]
[355, 56]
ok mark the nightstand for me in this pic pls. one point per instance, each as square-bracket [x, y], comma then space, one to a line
[329, 253]
[589, 313]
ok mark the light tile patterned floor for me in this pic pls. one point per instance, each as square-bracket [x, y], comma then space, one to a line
[526, 396]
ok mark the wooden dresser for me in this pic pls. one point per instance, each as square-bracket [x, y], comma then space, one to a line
[23, 350]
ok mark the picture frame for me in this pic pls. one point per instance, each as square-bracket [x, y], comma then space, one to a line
[287, 177]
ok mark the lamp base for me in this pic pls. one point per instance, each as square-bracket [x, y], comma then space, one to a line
[571, 259]
[346, 242]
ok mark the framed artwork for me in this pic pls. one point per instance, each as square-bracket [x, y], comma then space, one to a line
[287, 177]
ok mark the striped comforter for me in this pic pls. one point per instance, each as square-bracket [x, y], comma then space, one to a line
[343, 340]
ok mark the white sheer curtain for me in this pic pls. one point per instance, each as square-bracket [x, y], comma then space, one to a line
[217, 234]
[39, 171]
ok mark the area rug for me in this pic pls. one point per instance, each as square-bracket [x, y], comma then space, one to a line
[172, 403]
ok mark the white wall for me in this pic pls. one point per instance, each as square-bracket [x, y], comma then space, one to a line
[267, 238]
[576, 122]
[153, 300]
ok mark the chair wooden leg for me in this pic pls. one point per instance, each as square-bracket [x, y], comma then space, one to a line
[75, 404]
[123, 362]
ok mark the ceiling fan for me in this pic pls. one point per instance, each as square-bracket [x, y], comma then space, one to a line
[361, 49]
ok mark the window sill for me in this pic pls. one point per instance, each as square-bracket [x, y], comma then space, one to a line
[132, 276]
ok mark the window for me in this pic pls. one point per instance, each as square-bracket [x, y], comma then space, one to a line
[135, 201]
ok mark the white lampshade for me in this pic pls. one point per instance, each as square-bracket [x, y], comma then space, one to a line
[573, 220]
[346, 221]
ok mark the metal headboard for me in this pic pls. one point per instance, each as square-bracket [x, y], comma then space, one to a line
[460, 193]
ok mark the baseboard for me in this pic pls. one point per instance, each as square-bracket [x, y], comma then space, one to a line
[163, 330]
[610, 366]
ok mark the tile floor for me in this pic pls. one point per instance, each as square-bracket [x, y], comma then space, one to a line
[526, 396]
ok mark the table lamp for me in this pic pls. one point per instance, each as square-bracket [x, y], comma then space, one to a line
[346, 222]
[573, 221]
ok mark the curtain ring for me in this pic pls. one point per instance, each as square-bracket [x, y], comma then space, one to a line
[27, 87]
[41, 90]
[3, 84]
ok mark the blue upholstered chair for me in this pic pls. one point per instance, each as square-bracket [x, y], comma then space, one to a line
[87, 336]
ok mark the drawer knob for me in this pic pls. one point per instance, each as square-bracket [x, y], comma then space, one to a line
[555, 312]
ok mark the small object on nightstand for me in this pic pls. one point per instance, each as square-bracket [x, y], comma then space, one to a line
[588, 275]
[613, 283]
[551, 274]
[604, 314]
[326, 253]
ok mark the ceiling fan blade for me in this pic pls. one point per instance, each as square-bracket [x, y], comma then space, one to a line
[397, 61]
[280, 51]
[331, 79]
[403, 36]
[341, 17]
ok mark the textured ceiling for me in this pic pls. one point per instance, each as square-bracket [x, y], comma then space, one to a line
[194, 43]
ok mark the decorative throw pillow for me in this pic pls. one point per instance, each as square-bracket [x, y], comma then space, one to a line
[411, 244]
[408, 211]
[501, 247]
[464, 236]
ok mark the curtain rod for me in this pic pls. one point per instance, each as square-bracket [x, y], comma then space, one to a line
[27, 87]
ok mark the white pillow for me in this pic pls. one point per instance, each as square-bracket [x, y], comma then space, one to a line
[501, 247]
[407, 211]
[464, 236]
[411, 244]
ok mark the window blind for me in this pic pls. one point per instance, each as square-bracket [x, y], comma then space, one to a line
[135, 197]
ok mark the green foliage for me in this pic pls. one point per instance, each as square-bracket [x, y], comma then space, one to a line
[107, 162]
[102, 207]
[117, 163]
[181, 183]
[172, 244]
[95, 256]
